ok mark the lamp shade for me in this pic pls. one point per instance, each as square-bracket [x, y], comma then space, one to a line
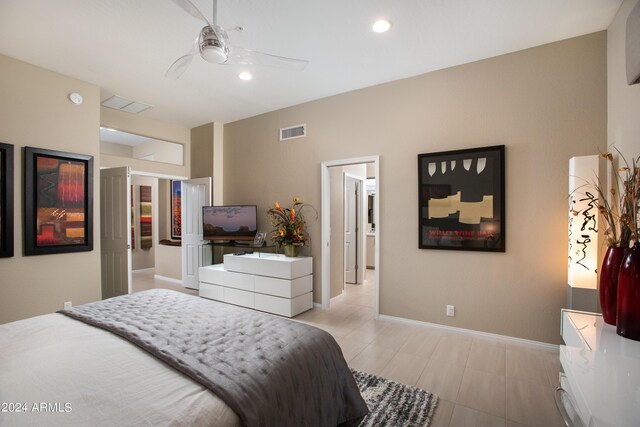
[583, 222]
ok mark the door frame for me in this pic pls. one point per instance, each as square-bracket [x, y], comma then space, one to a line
[133, 172]
[326, 227]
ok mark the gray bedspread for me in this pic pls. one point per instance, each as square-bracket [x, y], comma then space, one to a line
[271, 371]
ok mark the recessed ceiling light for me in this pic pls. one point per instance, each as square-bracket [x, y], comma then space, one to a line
[381, 26]
[245, 76]
[110, 130]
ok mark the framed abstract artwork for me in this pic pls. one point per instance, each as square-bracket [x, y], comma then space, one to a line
[176, 210]
[462, 199]
[6, 200]
[58, 202]
[146, 217]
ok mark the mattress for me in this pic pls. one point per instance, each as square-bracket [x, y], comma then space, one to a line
[55, 370]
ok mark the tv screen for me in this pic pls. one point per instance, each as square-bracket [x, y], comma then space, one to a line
[229, 222]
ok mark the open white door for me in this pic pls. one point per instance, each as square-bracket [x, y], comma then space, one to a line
[115, 231]
[196, 193]
[350, 229]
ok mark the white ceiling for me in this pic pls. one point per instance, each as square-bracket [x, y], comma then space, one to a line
[125, 46]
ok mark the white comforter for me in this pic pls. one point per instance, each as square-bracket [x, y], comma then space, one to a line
[59, 371]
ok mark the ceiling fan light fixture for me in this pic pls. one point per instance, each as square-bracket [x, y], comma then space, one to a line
[245, 75]
[381, 26]
[213, 54]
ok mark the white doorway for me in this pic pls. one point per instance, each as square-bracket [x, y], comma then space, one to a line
[328, 247]
[116, 228]
[196, 252]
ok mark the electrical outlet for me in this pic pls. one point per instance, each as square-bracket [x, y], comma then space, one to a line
[67, 305]
[451, 310]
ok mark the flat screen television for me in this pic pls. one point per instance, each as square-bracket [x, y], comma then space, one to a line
[229, 223]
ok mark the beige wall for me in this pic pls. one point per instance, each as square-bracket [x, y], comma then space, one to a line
[202, 151]
[35, 112]
[623, 100]
[545, 104]
[144, 126]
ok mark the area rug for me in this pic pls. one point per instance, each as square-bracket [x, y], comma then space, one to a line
[394, 404]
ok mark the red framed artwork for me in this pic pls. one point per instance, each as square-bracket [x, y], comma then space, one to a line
[176, 210]
[58, 202]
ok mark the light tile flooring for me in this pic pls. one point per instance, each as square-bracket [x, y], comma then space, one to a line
[480, 382]
[144, 280]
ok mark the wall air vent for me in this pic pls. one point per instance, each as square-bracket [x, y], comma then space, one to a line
[292, 132]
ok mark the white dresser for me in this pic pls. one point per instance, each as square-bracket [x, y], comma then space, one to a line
[601, 372]
[266, 282]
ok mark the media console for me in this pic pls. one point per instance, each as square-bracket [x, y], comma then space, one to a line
[267, 282]
[601, 381]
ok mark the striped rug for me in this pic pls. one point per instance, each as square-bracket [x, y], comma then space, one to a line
[394, 404]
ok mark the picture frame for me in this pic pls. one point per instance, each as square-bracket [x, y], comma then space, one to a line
[58, 202]
[461, 196]
[260, 238]
[176, 210]
[6, 200]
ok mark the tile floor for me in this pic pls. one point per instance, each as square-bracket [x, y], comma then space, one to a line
[480, 382]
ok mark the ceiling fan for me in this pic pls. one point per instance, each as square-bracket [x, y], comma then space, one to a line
[213, 46]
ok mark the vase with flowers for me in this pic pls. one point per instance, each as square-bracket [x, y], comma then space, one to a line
[290, 226]
[619, 285]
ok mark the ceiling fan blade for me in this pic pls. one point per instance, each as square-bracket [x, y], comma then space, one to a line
[179, 67]
[190, 8]
[181, 64]
[253, 57]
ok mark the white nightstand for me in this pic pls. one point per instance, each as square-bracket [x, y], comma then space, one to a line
[602, 372]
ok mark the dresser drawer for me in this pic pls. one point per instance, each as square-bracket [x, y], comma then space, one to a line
[230, 279]
[282, 287]
[207, 290]
[238, 297]
[284, 306]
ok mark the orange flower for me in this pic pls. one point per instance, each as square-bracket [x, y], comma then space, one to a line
[276, 205]
[293, 214]
[296, 200]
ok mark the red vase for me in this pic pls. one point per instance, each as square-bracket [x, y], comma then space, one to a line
[609, 283]
[628, 314]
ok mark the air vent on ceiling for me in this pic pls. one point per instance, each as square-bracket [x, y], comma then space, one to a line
[123, 104]
[292, 132]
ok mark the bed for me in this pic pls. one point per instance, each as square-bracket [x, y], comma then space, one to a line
[164, 358]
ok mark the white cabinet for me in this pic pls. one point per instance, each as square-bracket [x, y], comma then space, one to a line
[602, 371]
[266, 282]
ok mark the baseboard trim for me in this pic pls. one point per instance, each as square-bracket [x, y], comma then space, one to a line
[317, 305]
[140, 270]
[504, 338]
[168, 279]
